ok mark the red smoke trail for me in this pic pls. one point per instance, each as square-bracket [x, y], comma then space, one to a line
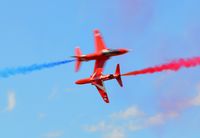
[173, 66]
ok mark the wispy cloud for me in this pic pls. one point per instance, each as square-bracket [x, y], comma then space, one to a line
[11, 101]
[41, 115]
[53, 94]
[134, 119]
[196, 100]
[109, 130]
[130, 120]
[101, 126]
[160, 118]
[130, 112]
[118, 123]
[116, 133]
[54, 134]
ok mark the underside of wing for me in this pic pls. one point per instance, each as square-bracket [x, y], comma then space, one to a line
[99, 66]
[99, 43]
[100, 87]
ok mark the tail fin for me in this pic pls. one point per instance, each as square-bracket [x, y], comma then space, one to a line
[118, 75]
[78, 53]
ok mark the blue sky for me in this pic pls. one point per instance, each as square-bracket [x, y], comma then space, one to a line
[47, 103]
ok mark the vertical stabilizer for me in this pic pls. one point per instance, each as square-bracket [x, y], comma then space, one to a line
[118, 75]
[78, 54]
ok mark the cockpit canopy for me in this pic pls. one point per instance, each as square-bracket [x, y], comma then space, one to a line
[110, 51]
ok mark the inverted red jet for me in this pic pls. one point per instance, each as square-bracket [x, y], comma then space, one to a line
[97, 79]
[101, 55]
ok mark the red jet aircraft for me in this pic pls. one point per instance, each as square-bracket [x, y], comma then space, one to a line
[97, 79]
[101, 55]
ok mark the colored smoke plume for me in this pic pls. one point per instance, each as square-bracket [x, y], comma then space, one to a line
[8, 72]
[174, 65]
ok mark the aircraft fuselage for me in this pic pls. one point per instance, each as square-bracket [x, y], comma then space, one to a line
[106, 53]
[93, 79]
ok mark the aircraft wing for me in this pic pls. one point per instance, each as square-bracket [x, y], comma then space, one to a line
[99, 43]
[99, 46]
[102, 91]
[99, 66]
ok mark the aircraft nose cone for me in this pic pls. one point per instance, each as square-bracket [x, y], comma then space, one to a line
[79, 82]
[124, 51]
[83, 81]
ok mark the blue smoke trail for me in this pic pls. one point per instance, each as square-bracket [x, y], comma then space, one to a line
[8, 72]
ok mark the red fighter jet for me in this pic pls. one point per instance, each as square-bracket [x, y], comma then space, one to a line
[101, 55]
[97, 79]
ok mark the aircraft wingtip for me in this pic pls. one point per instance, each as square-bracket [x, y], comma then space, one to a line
[96, 31]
